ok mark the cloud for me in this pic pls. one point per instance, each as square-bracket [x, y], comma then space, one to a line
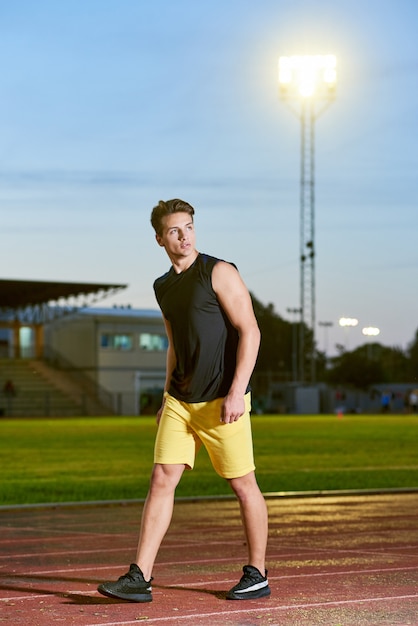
[101, 178]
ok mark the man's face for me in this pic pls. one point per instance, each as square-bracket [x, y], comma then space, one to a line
[178, 235]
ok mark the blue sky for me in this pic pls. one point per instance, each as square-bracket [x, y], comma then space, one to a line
[107, 106]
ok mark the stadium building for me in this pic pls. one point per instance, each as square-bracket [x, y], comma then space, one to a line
[62, 355]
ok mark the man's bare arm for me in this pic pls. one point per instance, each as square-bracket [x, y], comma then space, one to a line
[235, 300]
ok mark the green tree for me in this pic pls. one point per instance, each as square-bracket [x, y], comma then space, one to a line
[369, 364]
[356, 369]
[275, 353]
[279, 340]
[394, 362]
[412, 352]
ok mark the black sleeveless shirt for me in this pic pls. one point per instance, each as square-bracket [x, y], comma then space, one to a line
[205, 342]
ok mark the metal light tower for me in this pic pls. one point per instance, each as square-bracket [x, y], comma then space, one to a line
[308, 84]
[295, 311]
[325, 326]
[370, 331]
[346, 323]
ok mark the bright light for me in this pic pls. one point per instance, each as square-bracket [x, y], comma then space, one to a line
[348, 321]
[307, 75]
[371, 331]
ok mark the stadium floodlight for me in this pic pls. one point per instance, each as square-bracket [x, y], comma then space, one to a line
[307, 75]
[371, 331]
[307, 83]
[347, 322]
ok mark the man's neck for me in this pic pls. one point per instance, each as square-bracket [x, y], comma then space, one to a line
[181, 264]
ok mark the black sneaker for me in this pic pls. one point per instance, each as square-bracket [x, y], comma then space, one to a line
[131, 586]
[252, 585]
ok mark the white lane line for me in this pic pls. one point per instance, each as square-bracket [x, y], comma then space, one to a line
[270, 609]
[217, 582]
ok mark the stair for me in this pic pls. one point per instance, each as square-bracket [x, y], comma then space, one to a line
[41, 391]
[78, 387]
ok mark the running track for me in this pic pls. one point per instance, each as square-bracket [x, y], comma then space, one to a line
[334, 560]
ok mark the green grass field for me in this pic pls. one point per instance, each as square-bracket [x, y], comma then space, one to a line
[82, 459]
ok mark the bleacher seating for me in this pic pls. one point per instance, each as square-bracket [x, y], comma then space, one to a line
[41, 391]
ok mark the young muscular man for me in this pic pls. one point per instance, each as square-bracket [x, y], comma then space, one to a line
[213, 345]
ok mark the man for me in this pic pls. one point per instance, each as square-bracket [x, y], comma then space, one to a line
[213, 342]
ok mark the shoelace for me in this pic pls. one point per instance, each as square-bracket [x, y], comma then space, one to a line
[129, 576]
[248, 577]
[134, 577]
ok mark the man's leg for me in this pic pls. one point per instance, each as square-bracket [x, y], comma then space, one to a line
[254, 517]
[135, 585]
[157, 513]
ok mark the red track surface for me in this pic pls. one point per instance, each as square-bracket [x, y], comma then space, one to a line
[335, 561]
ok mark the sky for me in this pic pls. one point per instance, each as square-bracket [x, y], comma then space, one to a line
[108, 106]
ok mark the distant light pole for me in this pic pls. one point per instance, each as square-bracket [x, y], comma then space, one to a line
[294, 311]
[308, 84]
[370, 331]
[346, 323]
[325, 326]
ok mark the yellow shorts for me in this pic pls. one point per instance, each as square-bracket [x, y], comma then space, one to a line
[185, 427]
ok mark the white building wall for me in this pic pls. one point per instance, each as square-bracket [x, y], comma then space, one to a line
[134, 377]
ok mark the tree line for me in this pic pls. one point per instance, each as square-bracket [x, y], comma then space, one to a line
[367, 365]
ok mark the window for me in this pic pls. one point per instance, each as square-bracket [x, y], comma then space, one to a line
[148, 341]
[111, 341]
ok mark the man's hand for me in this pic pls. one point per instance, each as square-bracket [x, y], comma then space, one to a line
[232, 408]
[160, 411]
